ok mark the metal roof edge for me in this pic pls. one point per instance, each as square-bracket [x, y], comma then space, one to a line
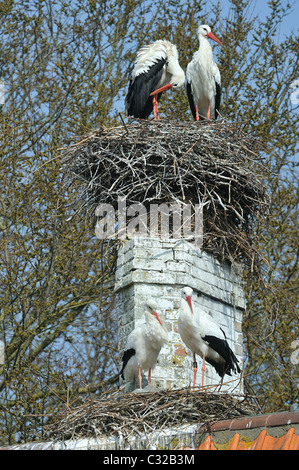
[285, 418]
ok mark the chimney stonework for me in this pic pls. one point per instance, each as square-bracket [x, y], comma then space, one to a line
[155, 268]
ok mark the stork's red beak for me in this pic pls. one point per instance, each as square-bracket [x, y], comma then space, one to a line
[212, 36]
[163, 88]
[189, 302]
[157, 316]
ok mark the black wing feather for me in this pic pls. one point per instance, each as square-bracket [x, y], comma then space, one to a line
[191, 100]
[139, 103]
[217, 99]
[126, 357]
[222, 348]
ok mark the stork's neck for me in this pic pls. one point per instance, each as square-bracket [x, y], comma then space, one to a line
[204, 45]
[174, 68]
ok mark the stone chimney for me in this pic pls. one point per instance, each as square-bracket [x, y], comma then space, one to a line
[148, 267]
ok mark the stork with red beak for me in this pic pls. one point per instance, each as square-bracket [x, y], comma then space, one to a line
[203, 78]
[204, 337]
[156, 70]
[143, 345]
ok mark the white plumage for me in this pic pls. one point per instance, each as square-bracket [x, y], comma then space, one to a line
[144, 345]
[203, 78]
[201, 334]
[156, 69]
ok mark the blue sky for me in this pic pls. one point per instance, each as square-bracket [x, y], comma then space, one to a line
[290, 23]
[261, 8]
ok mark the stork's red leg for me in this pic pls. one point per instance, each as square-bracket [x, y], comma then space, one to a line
[139, 376]
[149, 376]
[209, 112]
[203, 369]
[155, 107]
[194, 369]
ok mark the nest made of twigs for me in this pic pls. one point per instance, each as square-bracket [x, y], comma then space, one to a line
[135, 414]
[216, 164]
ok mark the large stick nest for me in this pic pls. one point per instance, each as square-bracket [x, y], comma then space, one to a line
[213, 163]
[130, 415]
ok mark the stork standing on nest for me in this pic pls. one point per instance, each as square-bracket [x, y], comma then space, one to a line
[204, 337]
[203, 78]
[156, 70]
[143, 345]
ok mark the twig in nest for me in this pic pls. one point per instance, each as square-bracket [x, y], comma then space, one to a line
[136, 414]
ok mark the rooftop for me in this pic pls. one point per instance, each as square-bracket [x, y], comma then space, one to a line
[275, 431]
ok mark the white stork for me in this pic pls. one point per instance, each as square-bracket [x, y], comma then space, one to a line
[204, 337]
[156, 70]
[203, 78]
[143, 345]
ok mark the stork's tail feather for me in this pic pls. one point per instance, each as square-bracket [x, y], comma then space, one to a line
[234, 363]
[227, 367]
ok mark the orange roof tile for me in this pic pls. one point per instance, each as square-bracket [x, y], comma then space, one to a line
[289, 441]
